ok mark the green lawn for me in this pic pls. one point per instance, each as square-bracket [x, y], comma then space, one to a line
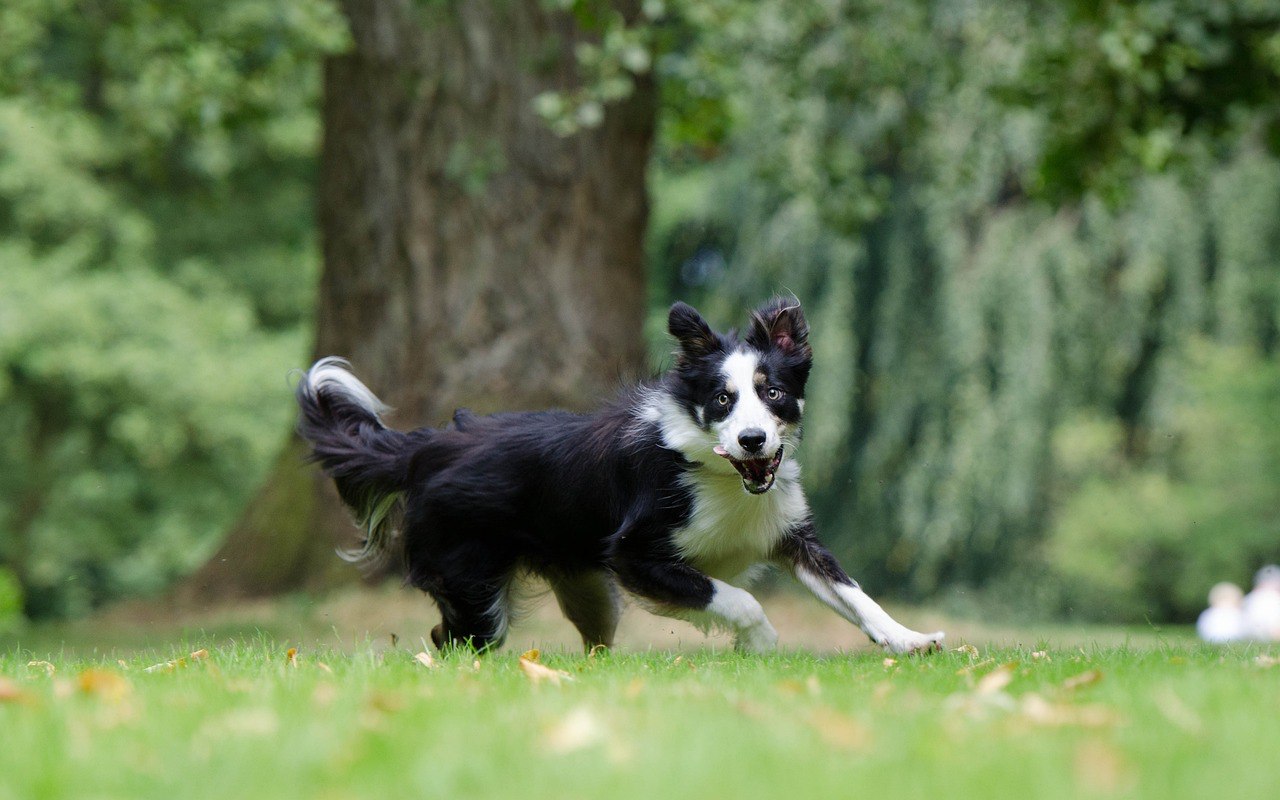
[1166, 721]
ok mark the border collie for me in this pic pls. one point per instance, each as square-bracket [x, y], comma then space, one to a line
[678, 492]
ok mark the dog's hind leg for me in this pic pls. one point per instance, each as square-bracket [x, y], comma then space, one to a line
[590, 600]
[474, 616]
[472, 587]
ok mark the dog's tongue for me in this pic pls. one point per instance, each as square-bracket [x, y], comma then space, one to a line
[720, 451]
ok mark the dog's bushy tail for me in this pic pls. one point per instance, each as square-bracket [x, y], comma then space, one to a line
[341, 419]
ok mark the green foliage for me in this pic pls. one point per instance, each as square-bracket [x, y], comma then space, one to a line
[1134, 87]
[615, 53]
[973, 275]
[1146, 540]
[156, 231]
[11, 605]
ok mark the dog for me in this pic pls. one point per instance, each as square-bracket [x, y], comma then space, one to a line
[679, 493]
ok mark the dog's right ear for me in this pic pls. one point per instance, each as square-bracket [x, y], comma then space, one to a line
[692, 332]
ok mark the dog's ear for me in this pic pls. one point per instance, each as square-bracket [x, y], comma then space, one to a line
[692, 332]
[780, 323]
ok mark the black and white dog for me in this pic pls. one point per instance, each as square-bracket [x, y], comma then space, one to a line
[679, 492]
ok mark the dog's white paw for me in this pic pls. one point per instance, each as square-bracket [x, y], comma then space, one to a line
[759, 638]
[918, 643]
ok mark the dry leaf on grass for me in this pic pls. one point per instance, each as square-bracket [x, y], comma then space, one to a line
[1039, 711]
[839, 730]
[424, 658]
[578, 729]
[45, 666]
[1086, 678]
[104, 684]
[170, 666]
[995, 680]
[986, 662]
[11, 692]
[538, 673]
[1266, 661]
[291, 655]
[1101, 769]
[890, 663]
[967, 649]
[1178, 712]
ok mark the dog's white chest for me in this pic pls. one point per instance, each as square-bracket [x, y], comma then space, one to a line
[730, 530]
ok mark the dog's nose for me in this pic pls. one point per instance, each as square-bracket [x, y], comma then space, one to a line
[752, 439]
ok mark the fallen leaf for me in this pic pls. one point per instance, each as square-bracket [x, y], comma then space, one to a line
[424, 658]
[102, 683]
[48, 668]
[291, 655]
[890, 663]
[534, 655]
[976, 666]
[538, 673]
[996, 679]
[578, 729]
[1040, 655]
[839, 730]
[596, 649]
[251, 721]
[324, 694]
[882, 691]
[11, 692]
[1086, 678]
[967, 649]
[1177, 712]
[170, 666]
[1039, 711]
[1265, 661]
[1100, 769]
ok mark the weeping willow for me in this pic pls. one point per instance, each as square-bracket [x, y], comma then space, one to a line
[987, 353]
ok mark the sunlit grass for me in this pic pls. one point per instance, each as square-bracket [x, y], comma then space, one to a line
[246, 721]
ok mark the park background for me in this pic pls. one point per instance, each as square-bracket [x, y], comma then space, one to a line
[1037, 243]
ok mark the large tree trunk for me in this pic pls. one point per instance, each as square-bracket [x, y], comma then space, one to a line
[471, 256]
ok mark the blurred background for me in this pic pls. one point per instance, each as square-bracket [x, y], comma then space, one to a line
[1038, 244]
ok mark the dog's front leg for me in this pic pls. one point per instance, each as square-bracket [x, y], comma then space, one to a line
[814, 566]
[676, 589]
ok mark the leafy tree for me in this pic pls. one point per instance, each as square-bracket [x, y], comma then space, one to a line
[155, 218]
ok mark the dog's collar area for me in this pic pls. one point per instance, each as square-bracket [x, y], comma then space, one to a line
[758, 474]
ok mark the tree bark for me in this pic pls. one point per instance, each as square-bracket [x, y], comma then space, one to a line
[471, 256]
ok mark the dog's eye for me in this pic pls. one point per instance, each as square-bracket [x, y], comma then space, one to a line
[722, 399]
[773, 393]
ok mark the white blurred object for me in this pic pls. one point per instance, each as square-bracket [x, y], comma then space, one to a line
[1224, 619]
[1262, 605]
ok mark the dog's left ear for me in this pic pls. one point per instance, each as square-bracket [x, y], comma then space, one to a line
[780, 323]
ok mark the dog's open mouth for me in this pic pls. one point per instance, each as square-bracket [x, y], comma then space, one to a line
[757, 473]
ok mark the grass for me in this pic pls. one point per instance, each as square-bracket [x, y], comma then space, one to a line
[1165, 720]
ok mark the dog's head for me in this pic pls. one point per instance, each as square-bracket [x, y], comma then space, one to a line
[743, 398]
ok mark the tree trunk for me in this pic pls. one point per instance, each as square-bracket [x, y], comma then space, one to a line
[471, 256]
